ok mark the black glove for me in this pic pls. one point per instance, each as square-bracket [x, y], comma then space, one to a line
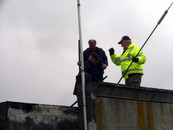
[111, 51]
[135, 59]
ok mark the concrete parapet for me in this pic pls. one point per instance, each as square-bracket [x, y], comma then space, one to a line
[109, 107]
[116, 107]
[25, 116]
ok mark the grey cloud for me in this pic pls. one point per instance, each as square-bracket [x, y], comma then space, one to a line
[38, 48]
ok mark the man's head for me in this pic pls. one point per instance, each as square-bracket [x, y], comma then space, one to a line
[92, 44]
[94, 58]
[125, 41]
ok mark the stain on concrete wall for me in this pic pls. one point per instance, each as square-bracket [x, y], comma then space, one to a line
[99, 114]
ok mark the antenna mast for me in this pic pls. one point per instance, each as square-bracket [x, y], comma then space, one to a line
[82, 67]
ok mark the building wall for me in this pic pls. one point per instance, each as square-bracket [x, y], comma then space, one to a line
[23, 116]
[109, 107]
[123, 114]
[116, 107]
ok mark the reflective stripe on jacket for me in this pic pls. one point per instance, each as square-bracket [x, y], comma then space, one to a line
[126, 58]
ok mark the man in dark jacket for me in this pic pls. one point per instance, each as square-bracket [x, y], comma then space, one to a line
[102, 65]
[92, 68]
[93, 72]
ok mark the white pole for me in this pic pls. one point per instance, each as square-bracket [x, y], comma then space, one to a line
[82, 69]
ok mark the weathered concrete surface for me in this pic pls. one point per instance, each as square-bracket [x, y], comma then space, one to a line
[116, 107]
[23, 116]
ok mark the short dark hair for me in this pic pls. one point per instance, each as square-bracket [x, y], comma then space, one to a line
[92, 41]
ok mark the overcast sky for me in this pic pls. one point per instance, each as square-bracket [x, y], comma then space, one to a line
[39, 52]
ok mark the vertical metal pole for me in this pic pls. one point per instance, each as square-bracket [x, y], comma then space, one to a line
[1, 72]
[82, 68]
[79, 55]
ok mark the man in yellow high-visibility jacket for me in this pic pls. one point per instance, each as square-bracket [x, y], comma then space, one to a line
[134, 74]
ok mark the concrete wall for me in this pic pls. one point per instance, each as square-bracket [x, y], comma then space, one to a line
[23, 116]
[109, 107]
[116, 107]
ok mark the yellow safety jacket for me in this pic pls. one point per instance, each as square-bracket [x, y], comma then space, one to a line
[126, 58]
